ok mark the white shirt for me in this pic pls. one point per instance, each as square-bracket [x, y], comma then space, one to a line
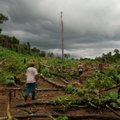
[80, 68]
[31, 73]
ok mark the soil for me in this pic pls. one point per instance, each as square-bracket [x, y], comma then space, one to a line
[17, 98]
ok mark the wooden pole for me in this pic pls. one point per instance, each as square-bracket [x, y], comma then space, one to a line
[62, 37]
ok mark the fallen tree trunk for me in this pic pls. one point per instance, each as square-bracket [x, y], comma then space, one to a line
[49, 81]
[49, 89]
[71, 117]
[46, 103]
[19, 89]
[53, 83]
[107, 106]
[10, 88]
[61, 76]
[34, 103]
[110, 88]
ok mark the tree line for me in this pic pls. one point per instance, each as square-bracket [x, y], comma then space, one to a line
[14, 44]
[110, 57]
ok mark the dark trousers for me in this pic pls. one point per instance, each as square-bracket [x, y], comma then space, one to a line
[80, 72]
[30, 87]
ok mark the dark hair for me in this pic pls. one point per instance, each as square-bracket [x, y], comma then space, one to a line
[31, 65]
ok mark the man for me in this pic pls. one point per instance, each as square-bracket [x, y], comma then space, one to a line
[80, 69]
[31, 76]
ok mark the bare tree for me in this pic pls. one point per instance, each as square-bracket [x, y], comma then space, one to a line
[62, 37]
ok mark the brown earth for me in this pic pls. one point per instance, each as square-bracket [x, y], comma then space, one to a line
[17, 98]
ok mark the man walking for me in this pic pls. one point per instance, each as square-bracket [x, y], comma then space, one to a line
[31, 76]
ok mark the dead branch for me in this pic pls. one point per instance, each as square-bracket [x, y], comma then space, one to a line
[9, 116]
[34, 103]
[71, 117]
[110, 88]
[107, 106]
[22, 89]
[53, 83]
[29, 111]
[49, 89]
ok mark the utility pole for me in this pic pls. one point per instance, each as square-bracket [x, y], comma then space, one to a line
[62, 37]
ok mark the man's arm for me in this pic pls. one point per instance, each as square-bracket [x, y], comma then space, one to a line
[37, 77]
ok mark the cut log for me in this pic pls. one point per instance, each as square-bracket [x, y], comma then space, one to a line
[107, 106]
[49, 89]
[71, 117]
[22, 89]
[34, 103]
[46, 103]
[114, 87]
[53, 83]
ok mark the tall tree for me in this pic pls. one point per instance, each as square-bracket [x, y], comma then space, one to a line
[2, 19]
[116, 55]
[116, 51]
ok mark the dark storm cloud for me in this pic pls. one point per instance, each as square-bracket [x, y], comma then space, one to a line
[89, 26]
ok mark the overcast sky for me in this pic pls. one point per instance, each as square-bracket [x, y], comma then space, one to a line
[91, 27]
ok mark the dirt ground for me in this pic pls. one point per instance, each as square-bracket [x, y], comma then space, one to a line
[17, 98]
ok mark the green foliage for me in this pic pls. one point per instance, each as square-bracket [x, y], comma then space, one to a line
[6, 78]
[106, 82]
[114, 105]
[113, 96]
[12, 64]
[88, 94]
[65, 102]
[45, 72]
[118, 101]
[62, 118]
[111, 71]
[9, 80]
[2, 77]
[54, 62]
[12, 68]
[16, 67]
[81, 91]
[114, 73]
[69, 88]
[100, 81]
[100, 101]
[52, 77]
[59, 100]
[91, 84]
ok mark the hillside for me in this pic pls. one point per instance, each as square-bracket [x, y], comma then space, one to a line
[12, 64]
[61, 92]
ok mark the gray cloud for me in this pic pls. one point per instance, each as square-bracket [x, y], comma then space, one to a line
[89, 26]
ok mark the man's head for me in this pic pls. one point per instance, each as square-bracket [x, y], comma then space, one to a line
[33, 62]
[32, 65]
